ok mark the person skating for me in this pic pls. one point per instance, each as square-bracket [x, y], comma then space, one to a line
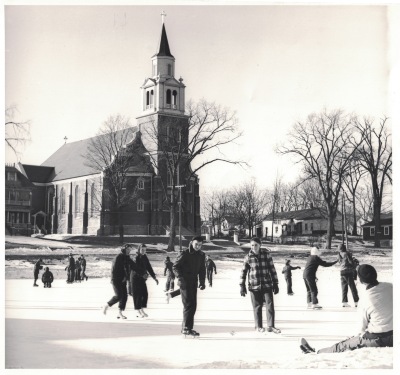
[310, 277]
[287, 271]
[83, 266]
[70, 269]
[37, 267]
[262, 284]
[78, 270]
[138, 282]
[190, 271]
[119, 277]
[347, 267]
[47, 278]
[169, 272]
[210, 268]
[376, 318]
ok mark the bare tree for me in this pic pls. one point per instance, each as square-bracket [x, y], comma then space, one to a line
[108, 153]
[186, 150]
[375, 156]
[216, 206]
[324, 144]
[17, 133]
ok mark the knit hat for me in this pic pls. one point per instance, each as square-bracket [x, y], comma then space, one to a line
[198, 238]
[367, 274]
[256, 239]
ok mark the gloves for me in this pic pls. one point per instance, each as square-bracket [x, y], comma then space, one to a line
[243, 291]
[156, 281]
[215, 272]
[275, 289]
[202, 286]
[181, 283]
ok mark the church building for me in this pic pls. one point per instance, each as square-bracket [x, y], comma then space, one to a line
[69, 196]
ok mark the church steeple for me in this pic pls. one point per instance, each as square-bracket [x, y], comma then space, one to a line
[163, 49]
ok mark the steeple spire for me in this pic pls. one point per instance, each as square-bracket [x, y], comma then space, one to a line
[163, 49]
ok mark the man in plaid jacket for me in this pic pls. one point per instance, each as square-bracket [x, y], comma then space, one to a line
[262, 284]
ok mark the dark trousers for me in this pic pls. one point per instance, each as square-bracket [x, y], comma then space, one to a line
[169, 285]
[120, 296]
[35, 277]
[77, 274]
[347, 281]
[139, 293]
[210, 276]
[289, 284]
[312, 290]
[367, 340]
[71, 275]
[83, 272]
[257, 300]
[189, 300]
[47, 284]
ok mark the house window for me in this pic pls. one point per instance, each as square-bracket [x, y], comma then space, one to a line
[386, 231]
[77, 200]
[311, 226]
[62, 201]
[266, 231]
[372, 231]
[276, 229]
[12, 176]
[305, 226]
[141, 184]
[140, 205]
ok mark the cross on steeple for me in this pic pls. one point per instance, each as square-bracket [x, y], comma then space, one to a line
[65, 139]
[163, 15]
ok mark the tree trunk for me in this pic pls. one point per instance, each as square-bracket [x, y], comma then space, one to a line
[330, 229]
[377, 221]
[172, 223]
[120, 227]
[354, 231]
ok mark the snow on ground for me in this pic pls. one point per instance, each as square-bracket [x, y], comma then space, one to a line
[63, 327]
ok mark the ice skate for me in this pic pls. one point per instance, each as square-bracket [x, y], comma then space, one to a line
[309, 306]
[355, 304]
[273, 329]
[105, 308]
[139, 314]
[260, 330]
[143, 313]
[190, 333]
[120, 315]
[316, 307]
[345, 304]
[305, 347]
[168, 296]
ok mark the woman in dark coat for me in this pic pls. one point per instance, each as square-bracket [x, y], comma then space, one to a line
[138, 276]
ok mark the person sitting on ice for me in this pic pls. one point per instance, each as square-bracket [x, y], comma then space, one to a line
[310, 277]
[47, 278]
[376, 319]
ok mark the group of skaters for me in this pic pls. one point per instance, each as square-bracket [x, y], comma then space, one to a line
[76, 269]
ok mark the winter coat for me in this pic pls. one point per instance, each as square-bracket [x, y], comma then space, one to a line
[47, 277]
[287, 270]
[311, 267]
[347, 263]
[71, 265]
[210, 265]
[119, 268]
[135, 270]
[143, 262]
[83, 263]
[190, 266]
[168, 269]
[37, 267]
[261, 271]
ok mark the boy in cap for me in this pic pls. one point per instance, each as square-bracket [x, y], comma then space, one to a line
[376, 323]
[36, 269]
[190, 271]
[262, 283]
[287, 271]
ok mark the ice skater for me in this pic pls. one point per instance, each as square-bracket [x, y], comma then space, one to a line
[169, 272]
[310, 277]
[347, 266]
[47, 278]
[190, 270]
[139, 288]
[262, 283]
[210, 268]
[287, 271]
[38, 266]
[376, 323]
[78, 270]
[119, 277]
[83, 266]
[70, 269]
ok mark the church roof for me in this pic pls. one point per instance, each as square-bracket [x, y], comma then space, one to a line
[69, 161]
[163, 49]
[37, 173]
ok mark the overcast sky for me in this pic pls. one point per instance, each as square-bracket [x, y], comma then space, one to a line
[68, 68]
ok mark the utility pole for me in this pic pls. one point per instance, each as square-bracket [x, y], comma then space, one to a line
[180, 215]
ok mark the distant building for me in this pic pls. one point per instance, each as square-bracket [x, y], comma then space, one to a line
[18, 201]
[386, 228]
[69, 196]
[306, 222]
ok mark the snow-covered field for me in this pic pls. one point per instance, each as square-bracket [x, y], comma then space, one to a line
[64, 328]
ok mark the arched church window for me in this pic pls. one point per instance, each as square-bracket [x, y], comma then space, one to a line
[77, 200]
[62, 201]
[147, 99]
[141, 184]
[168, 97]
[140, 205]
[174, 98]
[169, 70]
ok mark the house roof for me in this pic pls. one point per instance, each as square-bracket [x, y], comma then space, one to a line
[69, 161]
[305, 214]
[23, 181]
[163, 49]
[386, 219]
[36, 173]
